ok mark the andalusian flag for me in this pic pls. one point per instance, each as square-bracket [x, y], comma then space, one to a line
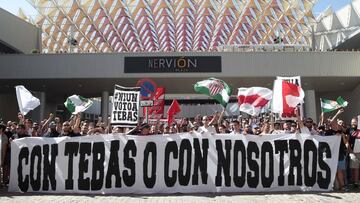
[76, 104]
[215, 88]
[330, 105]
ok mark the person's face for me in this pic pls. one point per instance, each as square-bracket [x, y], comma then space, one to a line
[287, 126]
[309, 123]
[257, 131]
[161, 128]
[247, 128]
[277, 126]
[85, 128]
[35, 126]
[20, 130]
[205, 120]
[198, 119]
[244, 122]
[266, 127]
[152, 129]
[66, 127]
[353, 123]
[236, 126]
[340, 122]
[28, 124]
[52, 128]
[222, 129]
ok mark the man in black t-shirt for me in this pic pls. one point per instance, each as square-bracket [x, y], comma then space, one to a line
[20, 132]
[67, 131]
[53, 132]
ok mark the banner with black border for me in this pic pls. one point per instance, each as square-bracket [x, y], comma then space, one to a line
[179, 163]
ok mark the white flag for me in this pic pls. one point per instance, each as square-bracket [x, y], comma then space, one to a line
[26, 100]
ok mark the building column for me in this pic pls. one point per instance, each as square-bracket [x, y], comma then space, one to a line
[105, 105]
[310, 105]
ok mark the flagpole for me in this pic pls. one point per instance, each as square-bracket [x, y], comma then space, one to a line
[146, 115]
[321, 106]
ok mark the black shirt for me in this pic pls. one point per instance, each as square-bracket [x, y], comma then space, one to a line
[71, 134]
[352, 137]
[52, 134]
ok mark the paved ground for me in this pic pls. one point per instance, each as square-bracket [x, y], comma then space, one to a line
[353, 196]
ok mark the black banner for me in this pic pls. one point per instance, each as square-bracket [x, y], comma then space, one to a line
[201, 64]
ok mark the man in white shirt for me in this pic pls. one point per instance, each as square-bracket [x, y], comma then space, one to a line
[207, 127]
[307, 127]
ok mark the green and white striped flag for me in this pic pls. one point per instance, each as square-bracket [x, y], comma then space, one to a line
[330, 105]
[215, 88]
[76, 104]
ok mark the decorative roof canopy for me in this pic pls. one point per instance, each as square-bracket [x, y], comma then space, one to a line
[334, 28]
[170, 25]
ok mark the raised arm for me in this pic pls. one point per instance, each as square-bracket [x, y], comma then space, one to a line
[298, 118]
[215, 118]
[321, 118]
[76, 126]
[51, 116]
[333, 119]
[334, 125]
[272, 127]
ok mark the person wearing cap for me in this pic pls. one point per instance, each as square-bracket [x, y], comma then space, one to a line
[256, 129]
[52, 130]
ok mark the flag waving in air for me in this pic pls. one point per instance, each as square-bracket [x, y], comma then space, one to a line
[286, 97]
[76, 104]
[330, 105]
[215, 88]
[252, 100]
[26, 100]
[173, 110]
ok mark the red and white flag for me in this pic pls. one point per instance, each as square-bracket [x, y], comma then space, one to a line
[252, 100]
[286, 97]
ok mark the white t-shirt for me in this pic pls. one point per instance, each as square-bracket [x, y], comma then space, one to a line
[210, 129]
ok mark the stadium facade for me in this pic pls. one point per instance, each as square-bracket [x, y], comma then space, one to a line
[206, 34]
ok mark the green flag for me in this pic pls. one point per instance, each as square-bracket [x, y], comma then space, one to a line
[76, 104]
[330, 105]
[215, 88]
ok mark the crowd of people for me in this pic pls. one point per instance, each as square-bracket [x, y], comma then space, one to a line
[347, 176]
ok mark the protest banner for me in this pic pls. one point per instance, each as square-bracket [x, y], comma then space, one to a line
[178, 163]
[125, 109]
